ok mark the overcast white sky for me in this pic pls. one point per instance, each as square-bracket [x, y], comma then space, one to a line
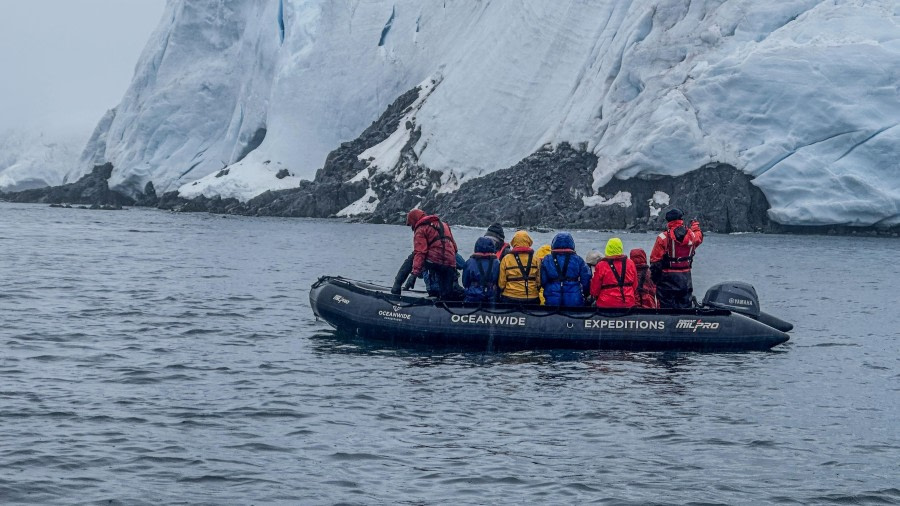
[63, 63]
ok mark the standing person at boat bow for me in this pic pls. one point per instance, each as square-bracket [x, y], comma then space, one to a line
[671, 260]
[481, 272]
[615, 278]
[564, 275]
[520, 272]
[434, 252]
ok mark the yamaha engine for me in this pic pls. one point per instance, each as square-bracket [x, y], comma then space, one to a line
[741, 298]
[733, 296]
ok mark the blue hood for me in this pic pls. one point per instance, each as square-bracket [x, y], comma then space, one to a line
[563, 240]
[485, 245]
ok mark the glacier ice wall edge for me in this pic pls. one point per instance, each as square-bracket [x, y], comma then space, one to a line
[651, 88]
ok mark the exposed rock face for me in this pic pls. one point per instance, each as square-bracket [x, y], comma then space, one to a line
[91, 189]
[331, 190]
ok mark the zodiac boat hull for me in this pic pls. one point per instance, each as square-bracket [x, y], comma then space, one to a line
[371, 312]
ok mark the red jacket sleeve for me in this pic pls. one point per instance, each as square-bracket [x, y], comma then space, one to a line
[659, 248]
[698, 234]
[595, 282]
[420, 250]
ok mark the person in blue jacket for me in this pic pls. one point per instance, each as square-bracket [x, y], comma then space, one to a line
[481, 272]
[565, 276]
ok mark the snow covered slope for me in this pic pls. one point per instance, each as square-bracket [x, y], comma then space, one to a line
[34, 159]
[802, 94]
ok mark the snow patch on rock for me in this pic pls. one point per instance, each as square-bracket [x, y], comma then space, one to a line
[622, 199]
[659, 201]
[365, 205]
[385, 155]
[241, 181]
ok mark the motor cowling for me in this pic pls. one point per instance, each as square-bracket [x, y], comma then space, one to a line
[733, 296]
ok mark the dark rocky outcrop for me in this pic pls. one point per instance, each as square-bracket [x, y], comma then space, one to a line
[547, 188]
[91, 189]
[148, 198]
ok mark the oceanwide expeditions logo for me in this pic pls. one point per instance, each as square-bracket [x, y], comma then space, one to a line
[396, 314]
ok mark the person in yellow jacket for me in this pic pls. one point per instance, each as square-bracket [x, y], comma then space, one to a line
[520, 272]
[540, 254]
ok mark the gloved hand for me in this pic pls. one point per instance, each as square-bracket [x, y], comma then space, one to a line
[410, 282]
[695, 226]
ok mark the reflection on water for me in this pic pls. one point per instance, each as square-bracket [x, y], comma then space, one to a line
[162, 358]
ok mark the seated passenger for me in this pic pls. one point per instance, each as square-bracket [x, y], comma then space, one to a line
[593, 256]
[540, 254]
[565, 277]
[615, 278]
[645, 295]
[520, 276]
[495, 233]
[481, 272]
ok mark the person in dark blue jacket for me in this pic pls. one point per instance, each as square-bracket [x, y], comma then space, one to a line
[565, 276]
[481, 272]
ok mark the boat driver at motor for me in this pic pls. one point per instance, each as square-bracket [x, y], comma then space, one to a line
[671, 260]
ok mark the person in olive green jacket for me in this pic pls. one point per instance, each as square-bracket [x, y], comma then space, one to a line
[520, 272]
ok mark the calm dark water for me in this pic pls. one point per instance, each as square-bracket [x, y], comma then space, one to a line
[155, 358]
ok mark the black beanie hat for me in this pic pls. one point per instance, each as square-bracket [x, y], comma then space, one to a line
[495, 230]
[674, 214]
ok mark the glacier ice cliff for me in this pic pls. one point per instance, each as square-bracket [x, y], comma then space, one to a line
[31, 158]
[233, 98]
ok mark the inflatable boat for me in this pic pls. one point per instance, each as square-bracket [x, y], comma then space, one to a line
[729, 319]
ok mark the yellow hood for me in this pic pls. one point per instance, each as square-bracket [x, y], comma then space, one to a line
[521, 240]
[614, 247]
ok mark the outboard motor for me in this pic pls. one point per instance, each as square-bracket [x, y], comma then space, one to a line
[741, 298]
[733, 296]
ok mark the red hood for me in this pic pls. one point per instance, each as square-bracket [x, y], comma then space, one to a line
[426, 220]
[638, 256]
[675, 224]
[414, 216]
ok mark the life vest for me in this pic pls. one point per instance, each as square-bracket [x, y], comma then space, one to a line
[525, 271]
[670, 260]
[484, 277]
[441, 237]
[620, 278]
[438, 227]
[561, 271]
[504, 249]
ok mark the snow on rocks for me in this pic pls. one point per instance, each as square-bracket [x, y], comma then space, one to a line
[241, 181]
[622, 199]
[365, 205]
[658, 202]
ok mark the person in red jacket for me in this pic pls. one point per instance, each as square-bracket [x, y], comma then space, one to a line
[615, 278]
[671, 260]
[434, 251]
[646, 289]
